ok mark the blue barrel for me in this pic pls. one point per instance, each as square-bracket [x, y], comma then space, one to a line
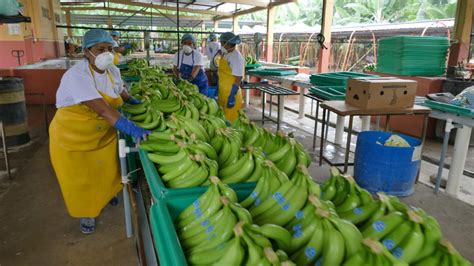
[392, 170]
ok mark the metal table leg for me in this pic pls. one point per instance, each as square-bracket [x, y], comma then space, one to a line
[263, 107]
[5, 149]
[312, 105]
[270, 106]
[321, 147]
[387, 122]
[365, 123]
[315, 124]
[126, 195]
[302, 103]
[327, 124]
[339, 130]
[348, 144]
[278, 113]
[447, 131]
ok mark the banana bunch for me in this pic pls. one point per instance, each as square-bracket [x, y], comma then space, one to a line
[241, 170]
[211, 124]
[444, 254]
[189, 125]
[373, 253]
[409, 236]
[216, 230]
[318, 235]
[278, 206]
[181, 164]
[249, 60]
[286, 153]
[150, 119]
[227, 143]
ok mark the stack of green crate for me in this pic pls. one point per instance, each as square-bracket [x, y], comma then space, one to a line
[331, 93]
[412, 55]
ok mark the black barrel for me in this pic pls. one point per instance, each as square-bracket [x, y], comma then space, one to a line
[13, 111]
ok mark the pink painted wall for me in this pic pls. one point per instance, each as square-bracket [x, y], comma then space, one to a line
[34, 51]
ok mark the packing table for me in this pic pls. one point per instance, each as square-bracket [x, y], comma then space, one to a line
[342, 109]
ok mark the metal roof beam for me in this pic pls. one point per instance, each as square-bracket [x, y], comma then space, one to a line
[172, 8]
[256, 9]
[121, 10]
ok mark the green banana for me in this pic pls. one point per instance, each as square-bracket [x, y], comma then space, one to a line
[352, 200]
[164, 159]
[393, 239]
[179, 170]
[411, 245]
[279, 154]
[234, 255]
[383, 226]
[242, 214]
[202, 202]
[254, 252]
[277, 198]
[277, 233]
[360, 214]
[261, 186]
[432, 234]
[351, 235]
[302, 234]
[357, 259]
[333, 248]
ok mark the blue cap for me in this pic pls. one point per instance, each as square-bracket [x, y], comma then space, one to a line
[212, 37]
[96, 36]
[230, 37]
[188, 36]
[115, 33]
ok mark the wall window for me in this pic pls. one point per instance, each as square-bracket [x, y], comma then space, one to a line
[45, 12]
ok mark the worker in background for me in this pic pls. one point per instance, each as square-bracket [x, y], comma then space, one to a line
[212, 48]
[230, 70]
[118, 50]
[191, 63]
[83, 133]
[158, 48]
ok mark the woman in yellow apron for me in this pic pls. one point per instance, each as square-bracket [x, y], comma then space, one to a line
[83, 140]
[118, 50]
[230, 72]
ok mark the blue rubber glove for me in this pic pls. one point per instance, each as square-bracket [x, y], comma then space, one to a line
[128, 127]
[127, 46]
[231, 98]
[132, 100]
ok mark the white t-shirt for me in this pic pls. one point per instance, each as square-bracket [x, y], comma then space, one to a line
[77, 85]
[211, 49]
[236, 63]
[115, 44]
[188, 59]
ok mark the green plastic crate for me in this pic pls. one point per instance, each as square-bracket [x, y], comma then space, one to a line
[335, 78]
[271, 72]
[162, 216]
[123, 66]
[253, 66]
[159, 190]
[446, 107]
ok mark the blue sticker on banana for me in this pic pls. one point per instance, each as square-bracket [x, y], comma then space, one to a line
[196, 203]
[281, 201]
[277, 196]
[310, 252]
[209, 229]
[298, 234]
[286, 206]
[357, 211]
[379, 226]
[388, 243]
[254, 194]
[297, 227]
[398, 252]
[299, 215]
[205, 223]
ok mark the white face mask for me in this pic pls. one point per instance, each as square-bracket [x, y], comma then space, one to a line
[187, 49]
[223, 50]
[104, 60]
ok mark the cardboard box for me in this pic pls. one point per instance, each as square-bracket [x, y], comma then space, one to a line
[381, 93]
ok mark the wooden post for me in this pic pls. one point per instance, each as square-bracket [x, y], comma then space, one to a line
[235, 24]
[270, 24]
[203, 40]
[462, 33]
[109, 22]
[216, 25]
[326, 24]
[68, 23]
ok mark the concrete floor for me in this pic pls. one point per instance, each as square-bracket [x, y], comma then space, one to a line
[35, 228]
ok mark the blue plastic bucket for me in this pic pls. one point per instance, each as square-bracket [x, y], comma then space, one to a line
[212, 92]
[392, 170]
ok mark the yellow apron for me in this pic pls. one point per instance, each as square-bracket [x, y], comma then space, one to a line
[117, 57]
[83, 150]
[226, 79]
